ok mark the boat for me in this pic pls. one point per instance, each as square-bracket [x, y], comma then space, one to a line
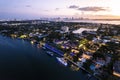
[43, 47]
[50, 53]
[62, 61]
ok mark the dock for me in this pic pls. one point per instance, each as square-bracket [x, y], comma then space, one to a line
[62, 55]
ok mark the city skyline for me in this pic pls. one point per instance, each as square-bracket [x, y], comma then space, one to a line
[32, 9]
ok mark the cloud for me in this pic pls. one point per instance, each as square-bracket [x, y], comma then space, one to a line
[93, 9]
[46, 10]
[56, 9]
[73, 6]
[28, 5]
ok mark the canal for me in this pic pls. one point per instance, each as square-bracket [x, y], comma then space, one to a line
[20, 60]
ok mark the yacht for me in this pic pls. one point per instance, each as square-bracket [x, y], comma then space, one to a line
[62, 60]
[43, 47]
[49, 53]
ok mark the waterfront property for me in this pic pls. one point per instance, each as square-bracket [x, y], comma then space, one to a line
[94, 50]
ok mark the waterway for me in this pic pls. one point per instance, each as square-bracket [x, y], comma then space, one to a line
[21, 60]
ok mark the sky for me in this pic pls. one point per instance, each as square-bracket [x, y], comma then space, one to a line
[31, 9]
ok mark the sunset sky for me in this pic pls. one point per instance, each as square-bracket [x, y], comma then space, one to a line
[10, 9]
